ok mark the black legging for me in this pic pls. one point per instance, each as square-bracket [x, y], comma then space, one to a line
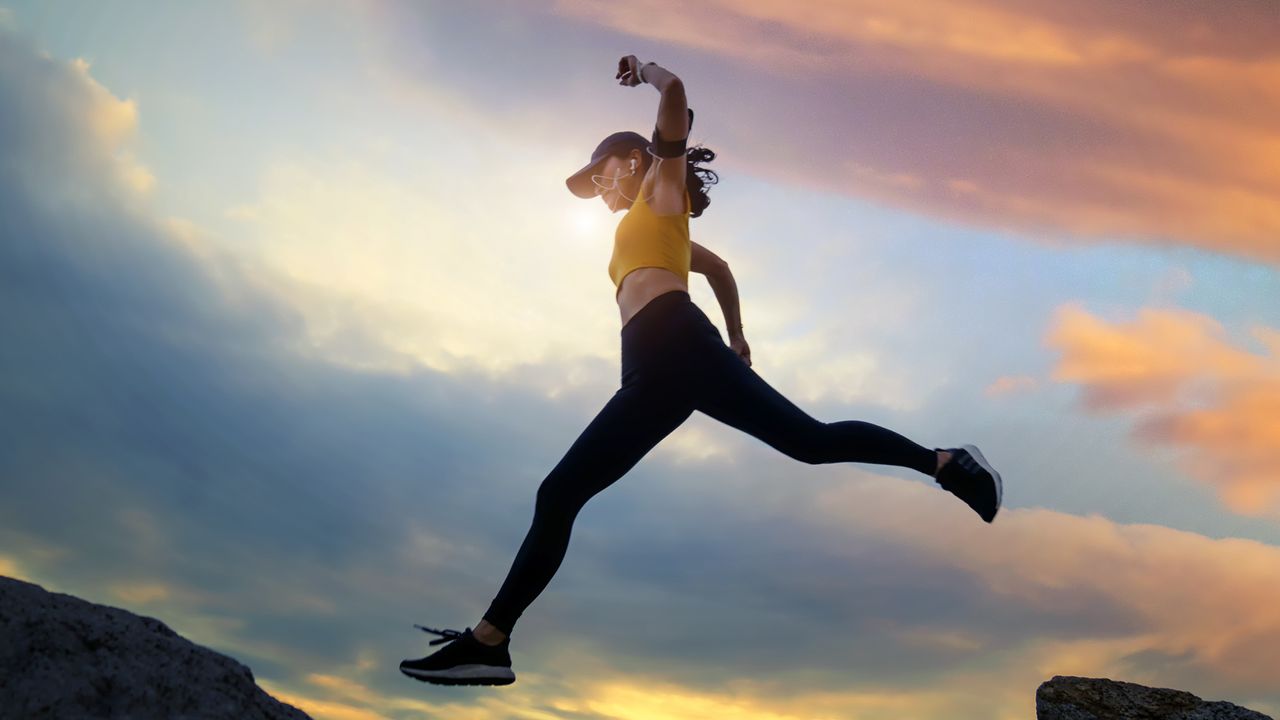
[674, 361]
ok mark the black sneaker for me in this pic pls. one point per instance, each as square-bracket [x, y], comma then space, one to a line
[464, 661]
[969, 476]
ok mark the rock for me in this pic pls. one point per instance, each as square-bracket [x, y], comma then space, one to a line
[63, 657]
[1066, 697]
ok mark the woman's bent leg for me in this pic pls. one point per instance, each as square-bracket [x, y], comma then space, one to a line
[634, 420]
[734, 394]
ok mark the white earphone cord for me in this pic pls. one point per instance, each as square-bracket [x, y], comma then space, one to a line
[615, 179]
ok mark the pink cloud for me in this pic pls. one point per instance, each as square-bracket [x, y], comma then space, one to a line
[1085, 122]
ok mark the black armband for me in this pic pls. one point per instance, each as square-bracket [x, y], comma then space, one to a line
[671, 148]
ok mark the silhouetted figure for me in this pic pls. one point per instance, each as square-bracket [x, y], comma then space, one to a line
[674, 361]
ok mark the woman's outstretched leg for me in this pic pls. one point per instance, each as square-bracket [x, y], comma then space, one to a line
[635, 419]
[734, 394]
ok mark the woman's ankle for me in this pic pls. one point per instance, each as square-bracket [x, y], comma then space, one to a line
[943, 458]
[488, 634]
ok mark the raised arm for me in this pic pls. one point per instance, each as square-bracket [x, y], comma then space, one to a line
[674, 116]
[673, 109]
[671, 132]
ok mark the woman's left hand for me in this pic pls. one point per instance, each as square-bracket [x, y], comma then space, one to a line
[739, 345]
[628, 74]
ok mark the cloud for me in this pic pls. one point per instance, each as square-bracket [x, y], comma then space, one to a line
[97, 125]
[1171, 593]
[1085, 124]
[1191, 388]
[392, 275]
[157, 441]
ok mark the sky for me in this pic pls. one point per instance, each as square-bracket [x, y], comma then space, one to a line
[298, 313]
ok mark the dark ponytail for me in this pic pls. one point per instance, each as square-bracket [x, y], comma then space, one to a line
[699, 179]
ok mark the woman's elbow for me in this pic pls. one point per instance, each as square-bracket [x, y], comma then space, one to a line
[717, 269]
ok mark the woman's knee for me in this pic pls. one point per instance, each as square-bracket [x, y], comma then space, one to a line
[557, 498]
[551, 495]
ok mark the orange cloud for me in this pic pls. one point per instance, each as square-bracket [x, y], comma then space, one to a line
[1091, 121]
[1194, 391]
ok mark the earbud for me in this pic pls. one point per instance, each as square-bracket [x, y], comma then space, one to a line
[633, 166]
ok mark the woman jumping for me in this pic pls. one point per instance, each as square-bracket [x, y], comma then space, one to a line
[674, 361]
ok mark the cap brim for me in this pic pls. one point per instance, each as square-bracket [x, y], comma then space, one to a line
[580, 183]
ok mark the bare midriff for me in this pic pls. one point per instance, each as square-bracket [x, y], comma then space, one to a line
[644, 284]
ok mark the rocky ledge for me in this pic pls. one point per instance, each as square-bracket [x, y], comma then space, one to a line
[63, 657]
[1066, 697]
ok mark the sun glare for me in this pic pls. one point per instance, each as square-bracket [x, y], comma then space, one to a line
[585, 219]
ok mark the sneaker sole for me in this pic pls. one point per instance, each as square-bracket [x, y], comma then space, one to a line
[464, 675]
[977, 455]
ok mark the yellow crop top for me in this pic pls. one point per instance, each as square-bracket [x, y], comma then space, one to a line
[647, 240]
